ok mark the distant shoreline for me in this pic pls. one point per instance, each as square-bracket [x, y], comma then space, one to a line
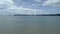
[37, 15]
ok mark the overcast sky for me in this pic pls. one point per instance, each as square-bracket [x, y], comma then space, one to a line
[29, 6]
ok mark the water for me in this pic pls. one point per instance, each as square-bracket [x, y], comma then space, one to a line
[29, 24]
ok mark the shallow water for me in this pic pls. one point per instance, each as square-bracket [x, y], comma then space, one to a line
[29, 24]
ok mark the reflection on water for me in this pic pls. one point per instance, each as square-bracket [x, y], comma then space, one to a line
[29, 25]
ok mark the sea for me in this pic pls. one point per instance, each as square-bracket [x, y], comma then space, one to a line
[29, 24]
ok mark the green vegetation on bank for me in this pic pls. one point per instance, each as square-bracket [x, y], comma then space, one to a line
[37, 15]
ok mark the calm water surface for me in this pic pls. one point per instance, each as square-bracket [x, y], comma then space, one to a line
[29, 24]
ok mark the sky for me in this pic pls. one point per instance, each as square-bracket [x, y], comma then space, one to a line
[29, 6]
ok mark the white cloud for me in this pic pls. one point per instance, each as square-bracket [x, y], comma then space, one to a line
[22, 10]
[37, 0]
[34, 4]
[8, 6]
[3, 1]
[51, 3]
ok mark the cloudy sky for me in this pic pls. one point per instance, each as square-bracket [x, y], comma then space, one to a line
[29, 6]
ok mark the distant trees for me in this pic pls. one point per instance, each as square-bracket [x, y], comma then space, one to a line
[58, 14]
[37, 15]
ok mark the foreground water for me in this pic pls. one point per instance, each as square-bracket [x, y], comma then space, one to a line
[29, 24]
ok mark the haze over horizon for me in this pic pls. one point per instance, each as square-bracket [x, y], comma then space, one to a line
[29, 7]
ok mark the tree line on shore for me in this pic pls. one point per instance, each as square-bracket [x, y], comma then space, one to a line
[37, 15]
